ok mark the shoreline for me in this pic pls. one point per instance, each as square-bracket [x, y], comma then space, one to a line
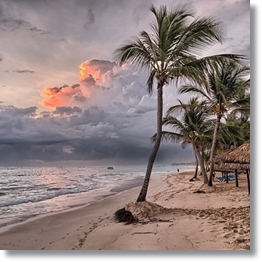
[135, 182]
[84, 199]
[195, 221]
[31, 204]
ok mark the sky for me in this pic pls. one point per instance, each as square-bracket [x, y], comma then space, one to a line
[63, 97]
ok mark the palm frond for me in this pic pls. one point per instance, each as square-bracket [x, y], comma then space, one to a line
[134, 52]
[193, 90]
[150, 82]
[168, 136]
[200, 33]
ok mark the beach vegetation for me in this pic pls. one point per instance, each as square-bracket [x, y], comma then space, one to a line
[192, 127]
[171, 53]
[227, 91]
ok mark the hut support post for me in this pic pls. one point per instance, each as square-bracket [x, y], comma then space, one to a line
[236, 177]
[248, 182]
[227, 177]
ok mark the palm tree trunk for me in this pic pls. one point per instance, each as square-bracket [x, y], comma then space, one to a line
[201, 162]
[151, 160]
[212, 152]
[196, 169]
[204, 158]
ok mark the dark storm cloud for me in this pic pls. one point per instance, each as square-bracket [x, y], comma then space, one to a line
[10, 24]
[79, 98]
[13, 111]
[18, 143]
[29, 151]
[67, 110]
[91, 116]
[24, 71]
[93, 134]
[90, 18]
[125, 152]
[75, 85]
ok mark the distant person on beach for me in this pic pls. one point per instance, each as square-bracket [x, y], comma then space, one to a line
[178, 170]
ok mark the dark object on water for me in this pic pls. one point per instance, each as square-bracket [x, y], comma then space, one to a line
[122, 215]
[110, 168]
[178, 170]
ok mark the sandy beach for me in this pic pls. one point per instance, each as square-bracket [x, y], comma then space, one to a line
[218, 220]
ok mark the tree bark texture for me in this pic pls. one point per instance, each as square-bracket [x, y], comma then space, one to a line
[151, 160]
[201, 163]
[212, 153]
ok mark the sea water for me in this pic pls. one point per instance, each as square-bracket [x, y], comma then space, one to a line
[26, 192]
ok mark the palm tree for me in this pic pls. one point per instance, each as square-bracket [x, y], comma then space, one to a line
[234, 131]
[241, 107]
[169, 53]
[225, 80]
[193, 128]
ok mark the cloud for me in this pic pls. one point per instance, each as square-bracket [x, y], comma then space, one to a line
[13, 111]
[99, 110]
[24, 71]
[9, 21]
[111, 126]
[10, 24]
[90, 18]
[99, 70]
[93, 78]
[59, 96]
[66, 110]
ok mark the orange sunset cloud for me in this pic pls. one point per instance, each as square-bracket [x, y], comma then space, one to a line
[58, 96]
[93, 74]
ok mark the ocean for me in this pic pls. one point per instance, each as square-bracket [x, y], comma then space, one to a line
[26, 192]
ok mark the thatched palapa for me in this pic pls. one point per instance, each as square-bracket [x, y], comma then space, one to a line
[238, 158]
[234, 160]
[240, 155]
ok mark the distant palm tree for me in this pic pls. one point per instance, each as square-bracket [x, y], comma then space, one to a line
[170, 53]
[241, 107]
[226, 79]
[234, 131]
[192, 127]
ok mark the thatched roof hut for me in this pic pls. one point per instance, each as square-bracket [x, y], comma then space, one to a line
[234, 160]
[219, 159]
[238, 158]
[240, 155]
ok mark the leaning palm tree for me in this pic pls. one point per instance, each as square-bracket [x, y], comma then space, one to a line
[225, 80]
[169, 53]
